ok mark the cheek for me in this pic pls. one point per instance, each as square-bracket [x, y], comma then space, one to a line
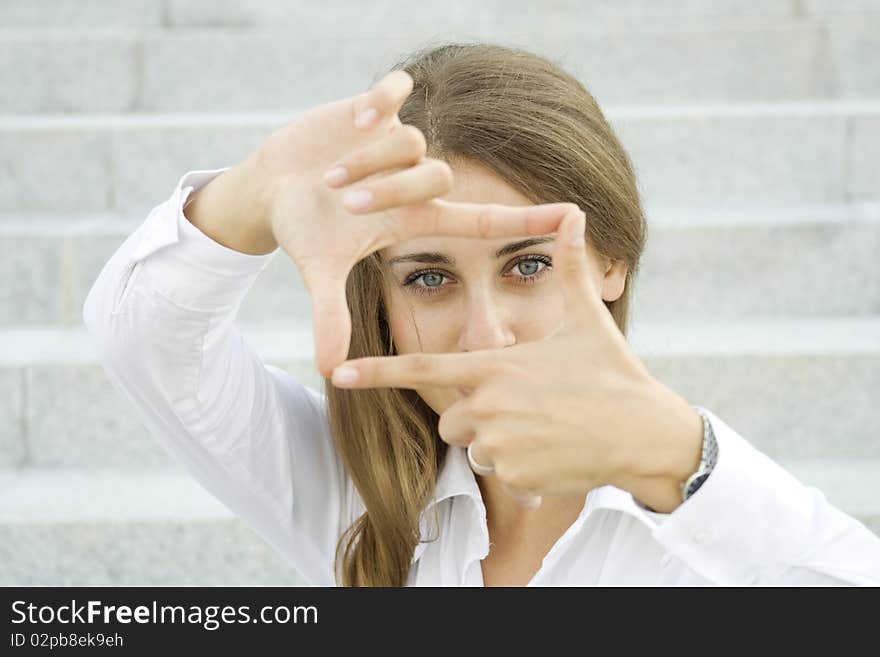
[435, 333]
[533, 315]
[417, 328]
[540, 315]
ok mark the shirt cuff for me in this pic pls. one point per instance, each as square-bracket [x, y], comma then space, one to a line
[750, 519]
[187, 266]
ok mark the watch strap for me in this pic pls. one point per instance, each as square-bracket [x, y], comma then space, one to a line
[708, 459]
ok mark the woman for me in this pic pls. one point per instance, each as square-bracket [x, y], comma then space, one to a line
[588, 469]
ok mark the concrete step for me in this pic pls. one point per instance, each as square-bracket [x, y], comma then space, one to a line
[249, 13]
[173, 14]
[713, 156]
[767, 263]
[76, 14]
[274, 68]
[161, 528]
[797, 389]
[127, 528]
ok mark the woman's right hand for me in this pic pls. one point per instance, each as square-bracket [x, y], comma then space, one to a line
[310, 218]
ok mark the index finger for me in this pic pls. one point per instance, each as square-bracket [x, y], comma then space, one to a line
[415, 370]
[481, 220]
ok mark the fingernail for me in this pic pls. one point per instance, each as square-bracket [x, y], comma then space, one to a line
[344, 374]
[358, 199]
[366, 118]
[336, 175]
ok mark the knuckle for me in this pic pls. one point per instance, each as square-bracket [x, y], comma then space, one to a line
[482, 404]
[484, 220]
[500, 369]
[356, 163]
[420, 366]
[381, 97]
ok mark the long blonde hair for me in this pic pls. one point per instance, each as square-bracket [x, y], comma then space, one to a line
[537, 128]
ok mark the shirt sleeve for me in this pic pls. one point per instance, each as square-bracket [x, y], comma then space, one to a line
[752, 522]
[161, 314]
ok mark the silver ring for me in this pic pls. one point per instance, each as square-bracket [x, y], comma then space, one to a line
[479, 469]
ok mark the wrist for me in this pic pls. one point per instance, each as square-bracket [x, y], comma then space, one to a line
[668, 449]
[231, 209]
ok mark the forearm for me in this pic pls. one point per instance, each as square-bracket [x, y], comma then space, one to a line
[231, 211]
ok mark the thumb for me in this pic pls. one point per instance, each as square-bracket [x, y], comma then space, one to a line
[331, 323]
[571, 261]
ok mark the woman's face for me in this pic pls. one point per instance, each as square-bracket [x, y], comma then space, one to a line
[457, 294]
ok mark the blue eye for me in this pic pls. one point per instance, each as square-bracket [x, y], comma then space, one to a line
[533, 264]
[437, 278]
[529, 266]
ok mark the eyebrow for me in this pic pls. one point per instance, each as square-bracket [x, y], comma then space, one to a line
[437, 258]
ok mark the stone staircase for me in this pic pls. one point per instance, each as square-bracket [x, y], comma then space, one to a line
[753, 126]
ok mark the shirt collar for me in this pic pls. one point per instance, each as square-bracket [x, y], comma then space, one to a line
[457, 479]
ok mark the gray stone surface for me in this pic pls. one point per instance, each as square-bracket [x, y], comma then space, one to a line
[759, 270]
[766, 156]
[771, 62]
[864, 144]
[837, 7]
[744, 159]
[274, 68]
[853, 44]
[127, 527]
[61, 71]
[80, 13]
[789, 407]
[146, 161]
[150, 553]
[49, 166]
[398, 14]
[32, 266]
[75, 418]
[13, 446]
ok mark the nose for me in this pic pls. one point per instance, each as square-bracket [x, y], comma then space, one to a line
[486, 324]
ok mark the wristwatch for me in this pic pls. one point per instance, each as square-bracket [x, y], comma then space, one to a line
[707, 462]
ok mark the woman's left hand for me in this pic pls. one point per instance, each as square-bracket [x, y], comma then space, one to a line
[565, 414]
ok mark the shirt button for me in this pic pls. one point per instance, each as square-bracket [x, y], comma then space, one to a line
[700, 536]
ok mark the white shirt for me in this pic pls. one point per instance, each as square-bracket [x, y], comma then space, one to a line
[162, 314]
